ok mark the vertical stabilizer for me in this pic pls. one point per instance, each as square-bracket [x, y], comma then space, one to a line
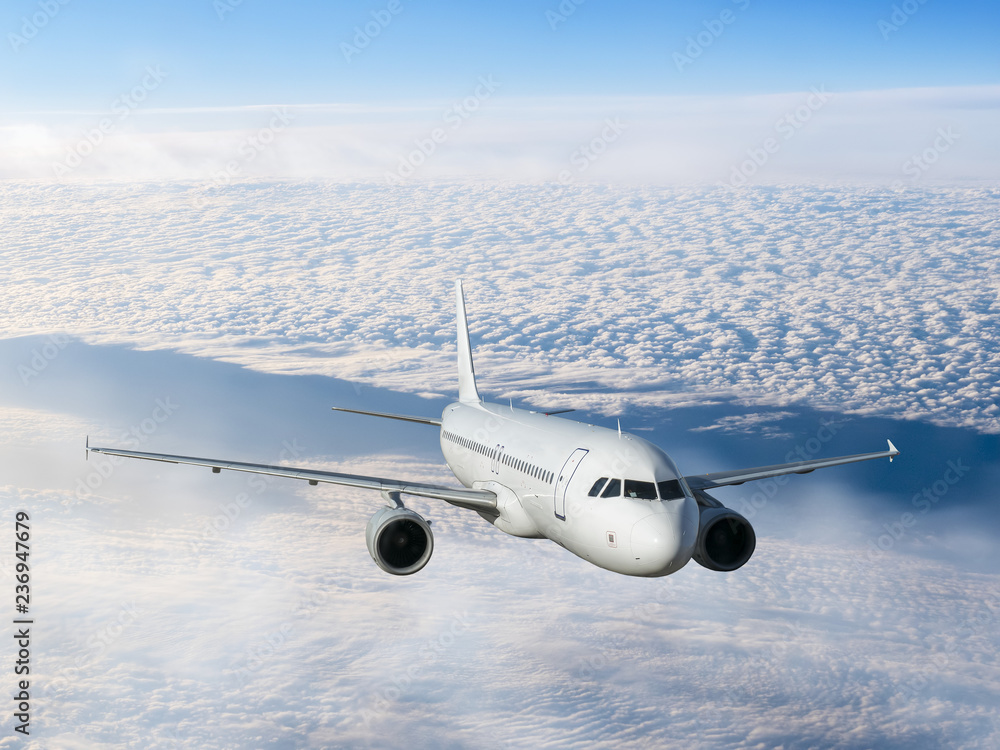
[467, 391]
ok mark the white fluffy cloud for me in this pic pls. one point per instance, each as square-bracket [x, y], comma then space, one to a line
[864, 300]
[281, 633]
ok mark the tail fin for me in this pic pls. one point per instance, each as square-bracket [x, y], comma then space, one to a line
[467, 391]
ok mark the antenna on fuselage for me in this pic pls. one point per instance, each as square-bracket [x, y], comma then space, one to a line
[619, 428]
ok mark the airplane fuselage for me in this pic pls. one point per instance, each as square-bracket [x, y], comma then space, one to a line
[642, 520]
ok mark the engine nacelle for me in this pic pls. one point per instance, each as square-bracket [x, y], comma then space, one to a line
[726, 539]
[399, 540]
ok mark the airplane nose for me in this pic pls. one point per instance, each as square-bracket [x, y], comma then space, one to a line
[656, 544]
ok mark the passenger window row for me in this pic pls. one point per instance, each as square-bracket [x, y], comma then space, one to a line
[536, 472]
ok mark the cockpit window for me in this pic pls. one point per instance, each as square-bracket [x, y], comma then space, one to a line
[670, 489]
[640, 490]
[596, 489]
[614, 489]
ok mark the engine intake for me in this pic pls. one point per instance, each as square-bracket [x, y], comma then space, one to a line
[726, 539]
[399, 540]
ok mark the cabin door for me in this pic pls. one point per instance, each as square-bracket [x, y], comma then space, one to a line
[562, 482]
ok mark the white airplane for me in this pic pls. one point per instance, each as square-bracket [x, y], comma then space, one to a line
[609, 497]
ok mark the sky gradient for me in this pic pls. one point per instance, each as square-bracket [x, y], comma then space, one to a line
[741, 230]
[174, 91]
[236, 54]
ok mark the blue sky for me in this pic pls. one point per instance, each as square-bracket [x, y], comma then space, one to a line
[257, 52]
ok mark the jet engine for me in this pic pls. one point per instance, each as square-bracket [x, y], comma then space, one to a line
[399, 540]
[725, 539]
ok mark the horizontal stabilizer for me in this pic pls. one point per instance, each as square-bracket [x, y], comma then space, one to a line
[403, 417]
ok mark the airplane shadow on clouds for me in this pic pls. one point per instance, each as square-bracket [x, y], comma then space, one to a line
[227, 411]
[165, 401]
[213, 405]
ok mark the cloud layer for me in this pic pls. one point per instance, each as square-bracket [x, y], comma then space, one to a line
[865, 300]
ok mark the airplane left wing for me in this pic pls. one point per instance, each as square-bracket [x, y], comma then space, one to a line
[724, 478]
[479, 500]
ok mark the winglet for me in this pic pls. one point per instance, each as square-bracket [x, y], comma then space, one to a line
[467, 391]
[88, 448]
[893, 450]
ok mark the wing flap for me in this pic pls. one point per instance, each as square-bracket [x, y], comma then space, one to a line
[479, 500]
[739, 476]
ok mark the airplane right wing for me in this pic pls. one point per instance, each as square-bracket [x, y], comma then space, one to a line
[739, 476]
